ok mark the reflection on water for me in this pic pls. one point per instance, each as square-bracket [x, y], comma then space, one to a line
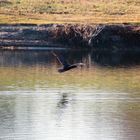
[98, 102]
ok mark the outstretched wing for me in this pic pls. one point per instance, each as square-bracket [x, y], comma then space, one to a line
[61, 60]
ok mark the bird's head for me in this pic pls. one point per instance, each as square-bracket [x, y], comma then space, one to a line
[80, 64]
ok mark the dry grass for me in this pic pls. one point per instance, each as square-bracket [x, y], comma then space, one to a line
[69, 11]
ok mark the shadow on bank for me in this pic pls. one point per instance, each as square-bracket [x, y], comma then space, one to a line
[110, 37]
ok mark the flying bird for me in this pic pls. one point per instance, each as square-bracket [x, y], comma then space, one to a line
[65, 65]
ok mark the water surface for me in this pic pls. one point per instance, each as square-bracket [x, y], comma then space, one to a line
[98, 102]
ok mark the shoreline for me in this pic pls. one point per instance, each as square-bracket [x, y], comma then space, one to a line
[75, 36]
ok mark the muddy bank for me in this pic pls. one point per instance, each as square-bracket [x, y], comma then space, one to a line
[120, 36]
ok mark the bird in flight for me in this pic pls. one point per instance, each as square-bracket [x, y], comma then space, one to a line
[66, 66]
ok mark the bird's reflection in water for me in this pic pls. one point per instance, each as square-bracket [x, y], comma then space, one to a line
[61, 107]
[63, 101]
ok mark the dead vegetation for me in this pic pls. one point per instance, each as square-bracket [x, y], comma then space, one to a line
[69, 11]
[71, 35]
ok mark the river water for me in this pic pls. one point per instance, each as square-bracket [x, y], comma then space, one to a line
[100, 101]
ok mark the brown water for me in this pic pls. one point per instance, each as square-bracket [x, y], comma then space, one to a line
[98, 102]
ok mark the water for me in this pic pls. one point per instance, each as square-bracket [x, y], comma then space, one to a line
[98, 102]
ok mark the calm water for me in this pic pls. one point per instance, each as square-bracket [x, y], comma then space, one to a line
[98, 102]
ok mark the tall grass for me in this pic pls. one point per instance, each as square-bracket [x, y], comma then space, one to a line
[110, 9]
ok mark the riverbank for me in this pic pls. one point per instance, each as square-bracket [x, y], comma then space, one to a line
[102, 36]
[69, 11]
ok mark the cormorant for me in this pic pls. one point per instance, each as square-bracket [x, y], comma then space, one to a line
[66, 66]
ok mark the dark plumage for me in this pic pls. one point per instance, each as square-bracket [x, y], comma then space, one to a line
[66, 66]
